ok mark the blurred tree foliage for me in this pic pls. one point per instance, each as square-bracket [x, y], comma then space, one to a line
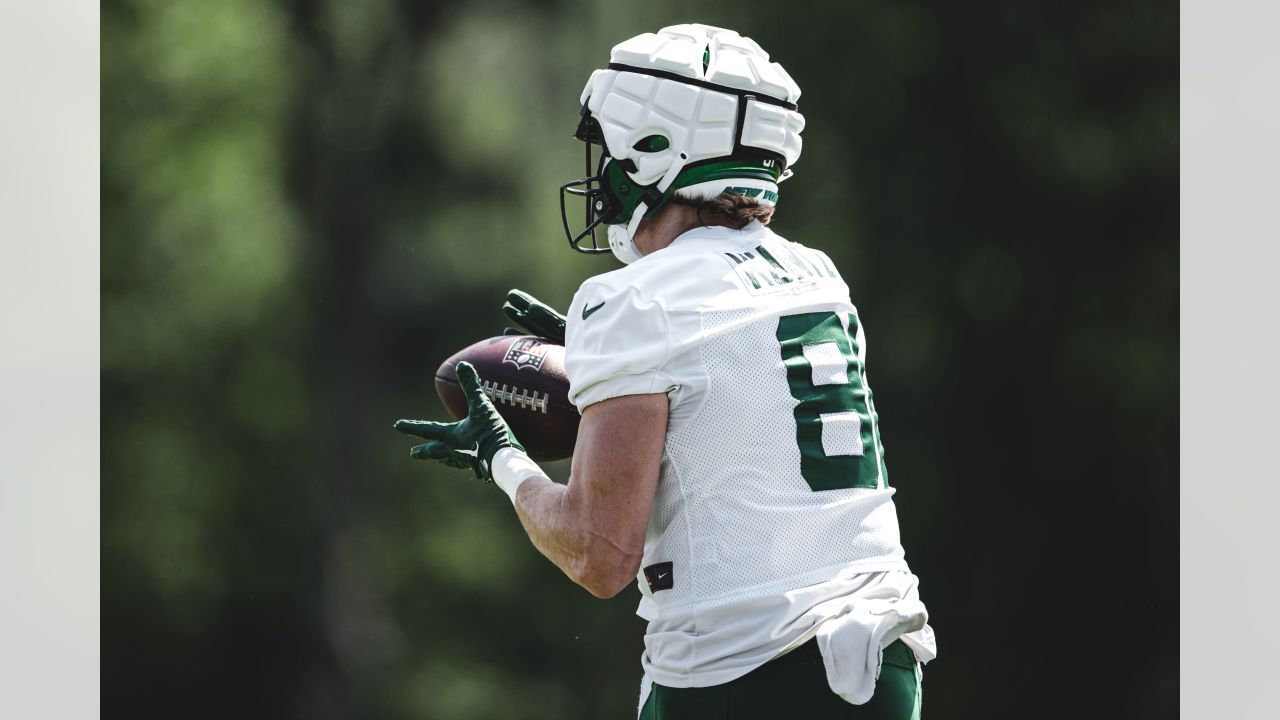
[308, 204]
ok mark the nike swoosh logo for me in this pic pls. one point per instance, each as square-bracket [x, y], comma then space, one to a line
[586, 311]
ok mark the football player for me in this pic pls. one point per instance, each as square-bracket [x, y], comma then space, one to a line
[729, 455]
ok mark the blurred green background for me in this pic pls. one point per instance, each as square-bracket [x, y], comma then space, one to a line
[307, 205]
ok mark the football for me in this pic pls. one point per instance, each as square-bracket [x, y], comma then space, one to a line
[524, 377]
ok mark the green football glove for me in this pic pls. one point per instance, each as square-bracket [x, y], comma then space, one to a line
[533, 317]
[469, 443]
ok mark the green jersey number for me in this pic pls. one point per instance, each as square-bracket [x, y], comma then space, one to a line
[835, 420]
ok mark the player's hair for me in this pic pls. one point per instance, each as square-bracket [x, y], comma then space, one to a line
[737, 210]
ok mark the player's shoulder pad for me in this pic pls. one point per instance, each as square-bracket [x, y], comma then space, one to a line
[680, 278]
[617, 339]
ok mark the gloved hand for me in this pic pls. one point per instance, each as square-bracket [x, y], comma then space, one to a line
[533, 317]
[469, 443]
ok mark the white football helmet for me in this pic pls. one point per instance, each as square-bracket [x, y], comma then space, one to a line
[692, 110]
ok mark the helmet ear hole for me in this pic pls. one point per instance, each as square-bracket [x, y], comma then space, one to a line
[589, 130]
[652, 144]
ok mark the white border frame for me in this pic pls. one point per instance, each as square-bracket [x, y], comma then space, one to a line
[49, 360]
[1230, 201]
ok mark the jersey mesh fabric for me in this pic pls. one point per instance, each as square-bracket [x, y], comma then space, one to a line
[733, 513]
[757, 557]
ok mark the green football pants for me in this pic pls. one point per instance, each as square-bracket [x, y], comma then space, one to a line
[794, 686]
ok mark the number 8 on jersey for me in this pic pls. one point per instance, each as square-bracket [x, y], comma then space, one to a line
[835, 419]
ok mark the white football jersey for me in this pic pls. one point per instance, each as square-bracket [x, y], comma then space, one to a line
[773, 476]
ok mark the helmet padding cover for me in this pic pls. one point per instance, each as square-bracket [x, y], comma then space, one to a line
[700, 122]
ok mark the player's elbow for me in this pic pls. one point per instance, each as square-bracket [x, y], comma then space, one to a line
[605, 585]
[606, 572]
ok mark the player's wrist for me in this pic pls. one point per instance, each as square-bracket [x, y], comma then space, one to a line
[493, 443]
[511, 467]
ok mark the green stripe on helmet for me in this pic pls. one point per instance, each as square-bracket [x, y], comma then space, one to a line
[630, 194]
[752, 168]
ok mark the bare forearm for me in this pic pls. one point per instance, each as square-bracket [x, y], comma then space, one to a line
[593, 528]
[562, 531]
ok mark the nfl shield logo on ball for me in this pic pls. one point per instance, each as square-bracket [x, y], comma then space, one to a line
[526, 353]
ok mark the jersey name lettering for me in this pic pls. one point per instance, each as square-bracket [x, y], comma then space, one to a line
[764, 271]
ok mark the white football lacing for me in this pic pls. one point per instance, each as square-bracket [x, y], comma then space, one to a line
[516, 396]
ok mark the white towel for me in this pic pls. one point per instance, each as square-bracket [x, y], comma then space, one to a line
[852, 643]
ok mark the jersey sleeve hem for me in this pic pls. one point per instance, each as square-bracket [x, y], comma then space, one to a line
[648, 383]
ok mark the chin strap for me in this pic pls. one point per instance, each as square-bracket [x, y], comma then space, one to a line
[622, 238]
[621, 244]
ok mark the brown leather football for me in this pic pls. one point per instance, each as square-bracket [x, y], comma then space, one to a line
[524, 377]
